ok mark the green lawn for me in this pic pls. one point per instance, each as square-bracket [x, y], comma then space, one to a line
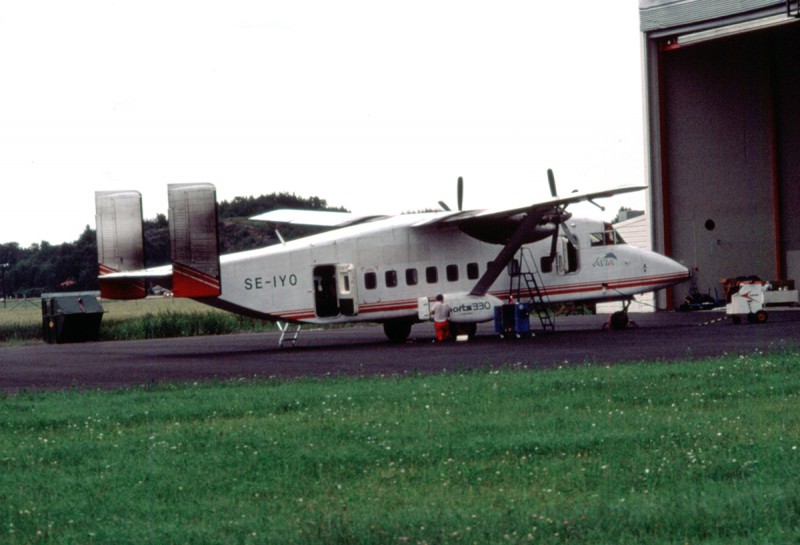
[695, 452]
[154, 317]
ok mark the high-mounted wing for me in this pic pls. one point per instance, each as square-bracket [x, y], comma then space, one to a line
[514, 227]
[497, 225]
[320, 218]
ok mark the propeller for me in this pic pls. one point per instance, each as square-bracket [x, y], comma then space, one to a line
[560, 219]
[552, 181]
[459, 197]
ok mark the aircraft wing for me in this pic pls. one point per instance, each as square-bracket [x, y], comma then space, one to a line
[498, 225]
[320, 218]
[513, 227]
[514, 213]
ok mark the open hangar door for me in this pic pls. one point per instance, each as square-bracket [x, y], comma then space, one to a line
[723, 112]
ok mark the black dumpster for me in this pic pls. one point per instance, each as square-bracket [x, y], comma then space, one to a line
[70, 318]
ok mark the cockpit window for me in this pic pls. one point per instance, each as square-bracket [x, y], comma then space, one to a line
[608, 237]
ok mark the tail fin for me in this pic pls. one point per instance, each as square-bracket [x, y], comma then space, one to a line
[194, 241]
[120, 242]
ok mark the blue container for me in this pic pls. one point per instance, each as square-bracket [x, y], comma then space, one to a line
[512, 319]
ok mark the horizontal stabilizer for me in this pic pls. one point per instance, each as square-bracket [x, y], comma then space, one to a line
[194, 244]
[122, 288]
[320, 218]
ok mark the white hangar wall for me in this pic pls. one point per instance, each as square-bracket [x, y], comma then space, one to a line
[723, 114]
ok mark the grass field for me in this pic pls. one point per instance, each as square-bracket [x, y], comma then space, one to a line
[694, 452]
[154, 317]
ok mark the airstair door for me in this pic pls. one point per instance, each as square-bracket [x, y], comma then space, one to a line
[325, 296]
[567, 258]
[347, 289]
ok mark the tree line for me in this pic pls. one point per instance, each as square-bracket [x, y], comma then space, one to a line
[72, 266]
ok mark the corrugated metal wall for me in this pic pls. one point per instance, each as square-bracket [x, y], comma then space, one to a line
[657, 15]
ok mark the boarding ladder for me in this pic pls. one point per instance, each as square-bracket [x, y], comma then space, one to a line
[529, 275]
[284, 328]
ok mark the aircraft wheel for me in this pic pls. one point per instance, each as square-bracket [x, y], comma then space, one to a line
[467, 329]
[619, 320]
[397, 331]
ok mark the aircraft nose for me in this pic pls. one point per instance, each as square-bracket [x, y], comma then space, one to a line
[670, 270]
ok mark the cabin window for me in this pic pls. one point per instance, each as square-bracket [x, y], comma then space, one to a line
[370, 280]
[608, 237]
[431, 275]
[546, 264]
[513, 267]
[411, 277]
[473, 271]
[452, 273]
[391, 279]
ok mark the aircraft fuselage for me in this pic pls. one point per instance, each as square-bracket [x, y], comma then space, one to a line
[377, 271]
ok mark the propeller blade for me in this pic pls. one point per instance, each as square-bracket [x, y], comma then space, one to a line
[553, 243]
[551, 179]
[570, 235]
[444, 206]
[460, 190]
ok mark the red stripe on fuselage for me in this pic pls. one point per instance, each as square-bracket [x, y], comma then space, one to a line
[588, 289]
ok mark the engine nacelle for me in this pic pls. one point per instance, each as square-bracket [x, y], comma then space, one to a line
[464, 308]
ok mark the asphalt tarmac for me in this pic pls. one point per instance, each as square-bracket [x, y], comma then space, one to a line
[664, 336]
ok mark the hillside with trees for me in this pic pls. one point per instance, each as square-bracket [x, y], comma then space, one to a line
[72, 266]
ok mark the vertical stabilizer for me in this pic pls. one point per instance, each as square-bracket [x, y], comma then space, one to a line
[120, 242]
[193, 240]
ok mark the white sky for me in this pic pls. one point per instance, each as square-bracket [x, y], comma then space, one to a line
[374, 106]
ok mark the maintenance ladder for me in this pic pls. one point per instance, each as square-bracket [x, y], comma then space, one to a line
[529, 274]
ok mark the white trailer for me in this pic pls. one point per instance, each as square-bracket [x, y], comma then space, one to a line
[748, 301]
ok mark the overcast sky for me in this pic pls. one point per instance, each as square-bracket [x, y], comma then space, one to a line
[374, 106]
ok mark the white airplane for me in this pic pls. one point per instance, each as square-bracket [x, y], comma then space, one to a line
[383, 269]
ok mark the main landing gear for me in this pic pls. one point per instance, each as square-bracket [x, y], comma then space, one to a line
[397, 331]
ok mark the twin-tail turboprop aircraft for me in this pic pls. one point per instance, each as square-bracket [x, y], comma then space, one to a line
[383, 269]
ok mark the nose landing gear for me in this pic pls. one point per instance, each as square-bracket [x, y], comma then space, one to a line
[620, 320]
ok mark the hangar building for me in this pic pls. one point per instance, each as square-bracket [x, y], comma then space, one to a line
[722, 96]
